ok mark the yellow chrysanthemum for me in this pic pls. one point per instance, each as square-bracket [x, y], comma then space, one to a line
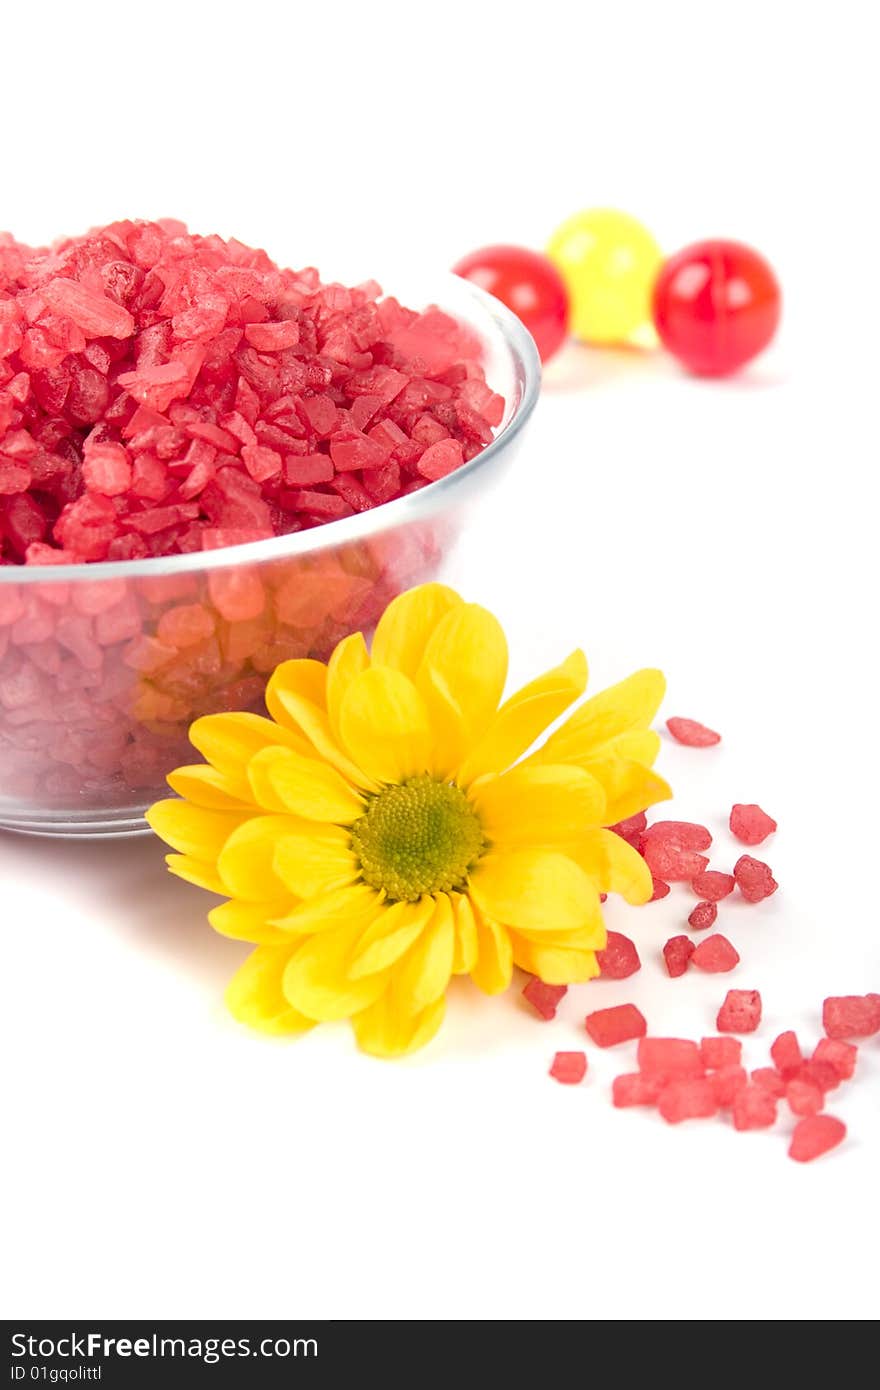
[387, 827]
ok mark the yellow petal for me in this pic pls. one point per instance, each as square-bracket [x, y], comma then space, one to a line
[246, 862]
[383, 1031]
[317, 862]
[525, 716]
[296, 697]
[406, 625]
[359, 905]
[283, 780]
[229, 741]
[205, 786]
[303, 677]
[466, 951]
[251, 922]
[638, 745]
[391, 934]
[631, 704]
[194, 830]
[534, 889]
[423, 974]
[467, 655]
[494, 965]
[317, 982]
[591, 938]
[613, 865]
[553, 965]
[384, 725]
[195, 871]
[449, 735]
[538, 805]
[629, 787]
[349, 658]
[254, 995]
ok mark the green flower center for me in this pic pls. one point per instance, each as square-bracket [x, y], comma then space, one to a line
[419, 837]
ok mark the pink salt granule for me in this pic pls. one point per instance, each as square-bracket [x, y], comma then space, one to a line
[621, 1023]
[814, 1136]
[544, 999]
[158, 387]
[619, 958]
[569, 1067]
[851, 1015]
[692, 733]
[670, 850]
[750, 824]
[721, 1052]
[677, 953]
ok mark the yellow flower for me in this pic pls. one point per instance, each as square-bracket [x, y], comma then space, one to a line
[388, 828]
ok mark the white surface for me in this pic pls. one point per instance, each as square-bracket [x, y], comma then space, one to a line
[160, 1161]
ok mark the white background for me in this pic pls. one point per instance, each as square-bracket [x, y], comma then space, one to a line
[160, 1161]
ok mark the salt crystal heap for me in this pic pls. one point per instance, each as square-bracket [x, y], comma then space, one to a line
[163, 393]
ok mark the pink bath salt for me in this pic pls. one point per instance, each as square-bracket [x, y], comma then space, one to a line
[786, 1053]
[770, 1080]
[818, 1073]
[544, 999]
[691, 733]
[107, 469]
[440, 459]
[14, 477]
[323, 506]
[837, 1054]
[183, 626]
[635, 1088]
[754, 879]
[671, 850]
[726, 1081]
[237, 594]
[754, 1107]
[713, 886]
[622, 1023]
[671, 864]
[569, 1067]
[632, 829]
[673, 1058]
[304, 470]
[750, 824]
[619, 958]
[715, 955]
[740, 1012]
[143, 366]
[272, 337]
[816, 1135]
[96, 314]
[679, 833]
[261, 463]
[721, 1052]
[803, 1097]
[352, 451]
[677, 954]
[851, 1015]
[687, 1100]
[702, 916]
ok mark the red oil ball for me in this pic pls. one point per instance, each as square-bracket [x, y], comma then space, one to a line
[716, 306]
[529, 284]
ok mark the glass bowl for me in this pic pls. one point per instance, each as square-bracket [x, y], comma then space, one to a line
[103, 667]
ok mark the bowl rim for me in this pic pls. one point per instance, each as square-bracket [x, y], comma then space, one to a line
[329, 535]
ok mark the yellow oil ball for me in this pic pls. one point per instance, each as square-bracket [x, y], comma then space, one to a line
[609, 262]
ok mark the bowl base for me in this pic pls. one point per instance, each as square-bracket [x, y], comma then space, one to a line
[83, 825]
